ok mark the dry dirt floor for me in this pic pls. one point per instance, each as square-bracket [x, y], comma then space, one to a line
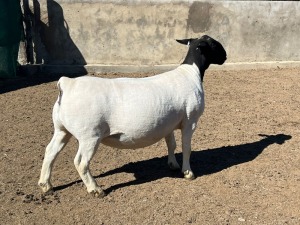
[246, 156]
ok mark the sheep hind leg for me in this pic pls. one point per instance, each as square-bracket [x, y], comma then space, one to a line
[171, 144]
[58, 142]
[86, 151]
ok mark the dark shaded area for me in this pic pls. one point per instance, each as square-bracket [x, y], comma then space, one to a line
[10, 22]
[199, 17]
[11, 34]
[52, 41]
[49, 48]
[8, 85]
[202, 162]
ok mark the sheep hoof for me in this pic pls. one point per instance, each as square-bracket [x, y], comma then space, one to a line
[98, 193]
[189, 175]
[174, 166]
[46, 188]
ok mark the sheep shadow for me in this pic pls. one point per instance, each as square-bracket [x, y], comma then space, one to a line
[202, 162]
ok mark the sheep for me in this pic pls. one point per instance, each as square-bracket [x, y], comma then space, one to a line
[131, 112]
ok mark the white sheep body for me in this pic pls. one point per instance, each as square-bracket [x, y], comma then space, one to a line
[130, 112]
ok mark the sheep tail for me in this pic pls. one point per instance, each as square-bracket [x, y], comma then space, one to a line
[60, 91]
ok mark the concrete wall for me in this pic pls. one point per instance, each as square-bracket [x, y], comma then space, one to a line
[76, 32]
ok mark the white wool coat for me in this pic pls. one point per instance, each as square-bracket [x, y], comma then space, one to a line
[130, 112]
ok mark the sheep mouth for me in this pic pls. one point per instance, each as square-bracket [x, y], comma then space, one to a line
[221, 61]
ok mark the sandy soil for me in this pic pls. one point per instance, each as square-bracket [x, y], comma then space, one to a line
[246, 156]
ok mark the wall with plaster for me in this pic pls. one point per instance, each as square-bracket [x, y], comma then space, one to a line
[79, 32]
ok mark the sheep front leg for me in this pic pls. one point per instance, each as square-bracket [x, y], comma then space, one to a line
[186, 152]
[171, 144]
[86, 151]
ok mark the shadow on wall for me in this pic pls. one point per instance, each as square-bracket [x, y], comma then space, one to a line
[202, 162]
[48, 42]
[52, 41]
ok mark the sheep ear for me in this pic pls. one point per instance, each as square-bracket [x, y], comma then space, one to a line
[185, 41]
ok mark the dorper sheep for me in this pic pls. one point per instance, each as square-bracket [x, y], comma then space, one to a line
[131, 112]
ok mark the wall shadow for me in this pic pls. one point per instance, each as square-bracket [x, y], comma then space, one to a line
[53, 43]
[50, 49]
[202, 162]
[8, 85]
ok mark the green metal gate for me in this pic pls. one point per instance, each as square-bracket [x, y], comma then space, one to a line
[11, 32]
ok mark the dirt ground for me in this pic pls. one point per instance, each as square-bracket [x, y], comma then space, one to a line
[246, 156]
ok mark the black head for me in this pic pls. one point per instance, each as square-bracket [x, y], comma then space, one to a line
[203, 52]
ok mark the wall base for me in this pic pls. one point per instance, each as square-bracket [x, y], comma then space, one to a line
[75, 70]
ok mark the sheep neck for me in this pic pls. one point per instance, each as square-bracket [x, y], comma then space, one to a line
[197, 58]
